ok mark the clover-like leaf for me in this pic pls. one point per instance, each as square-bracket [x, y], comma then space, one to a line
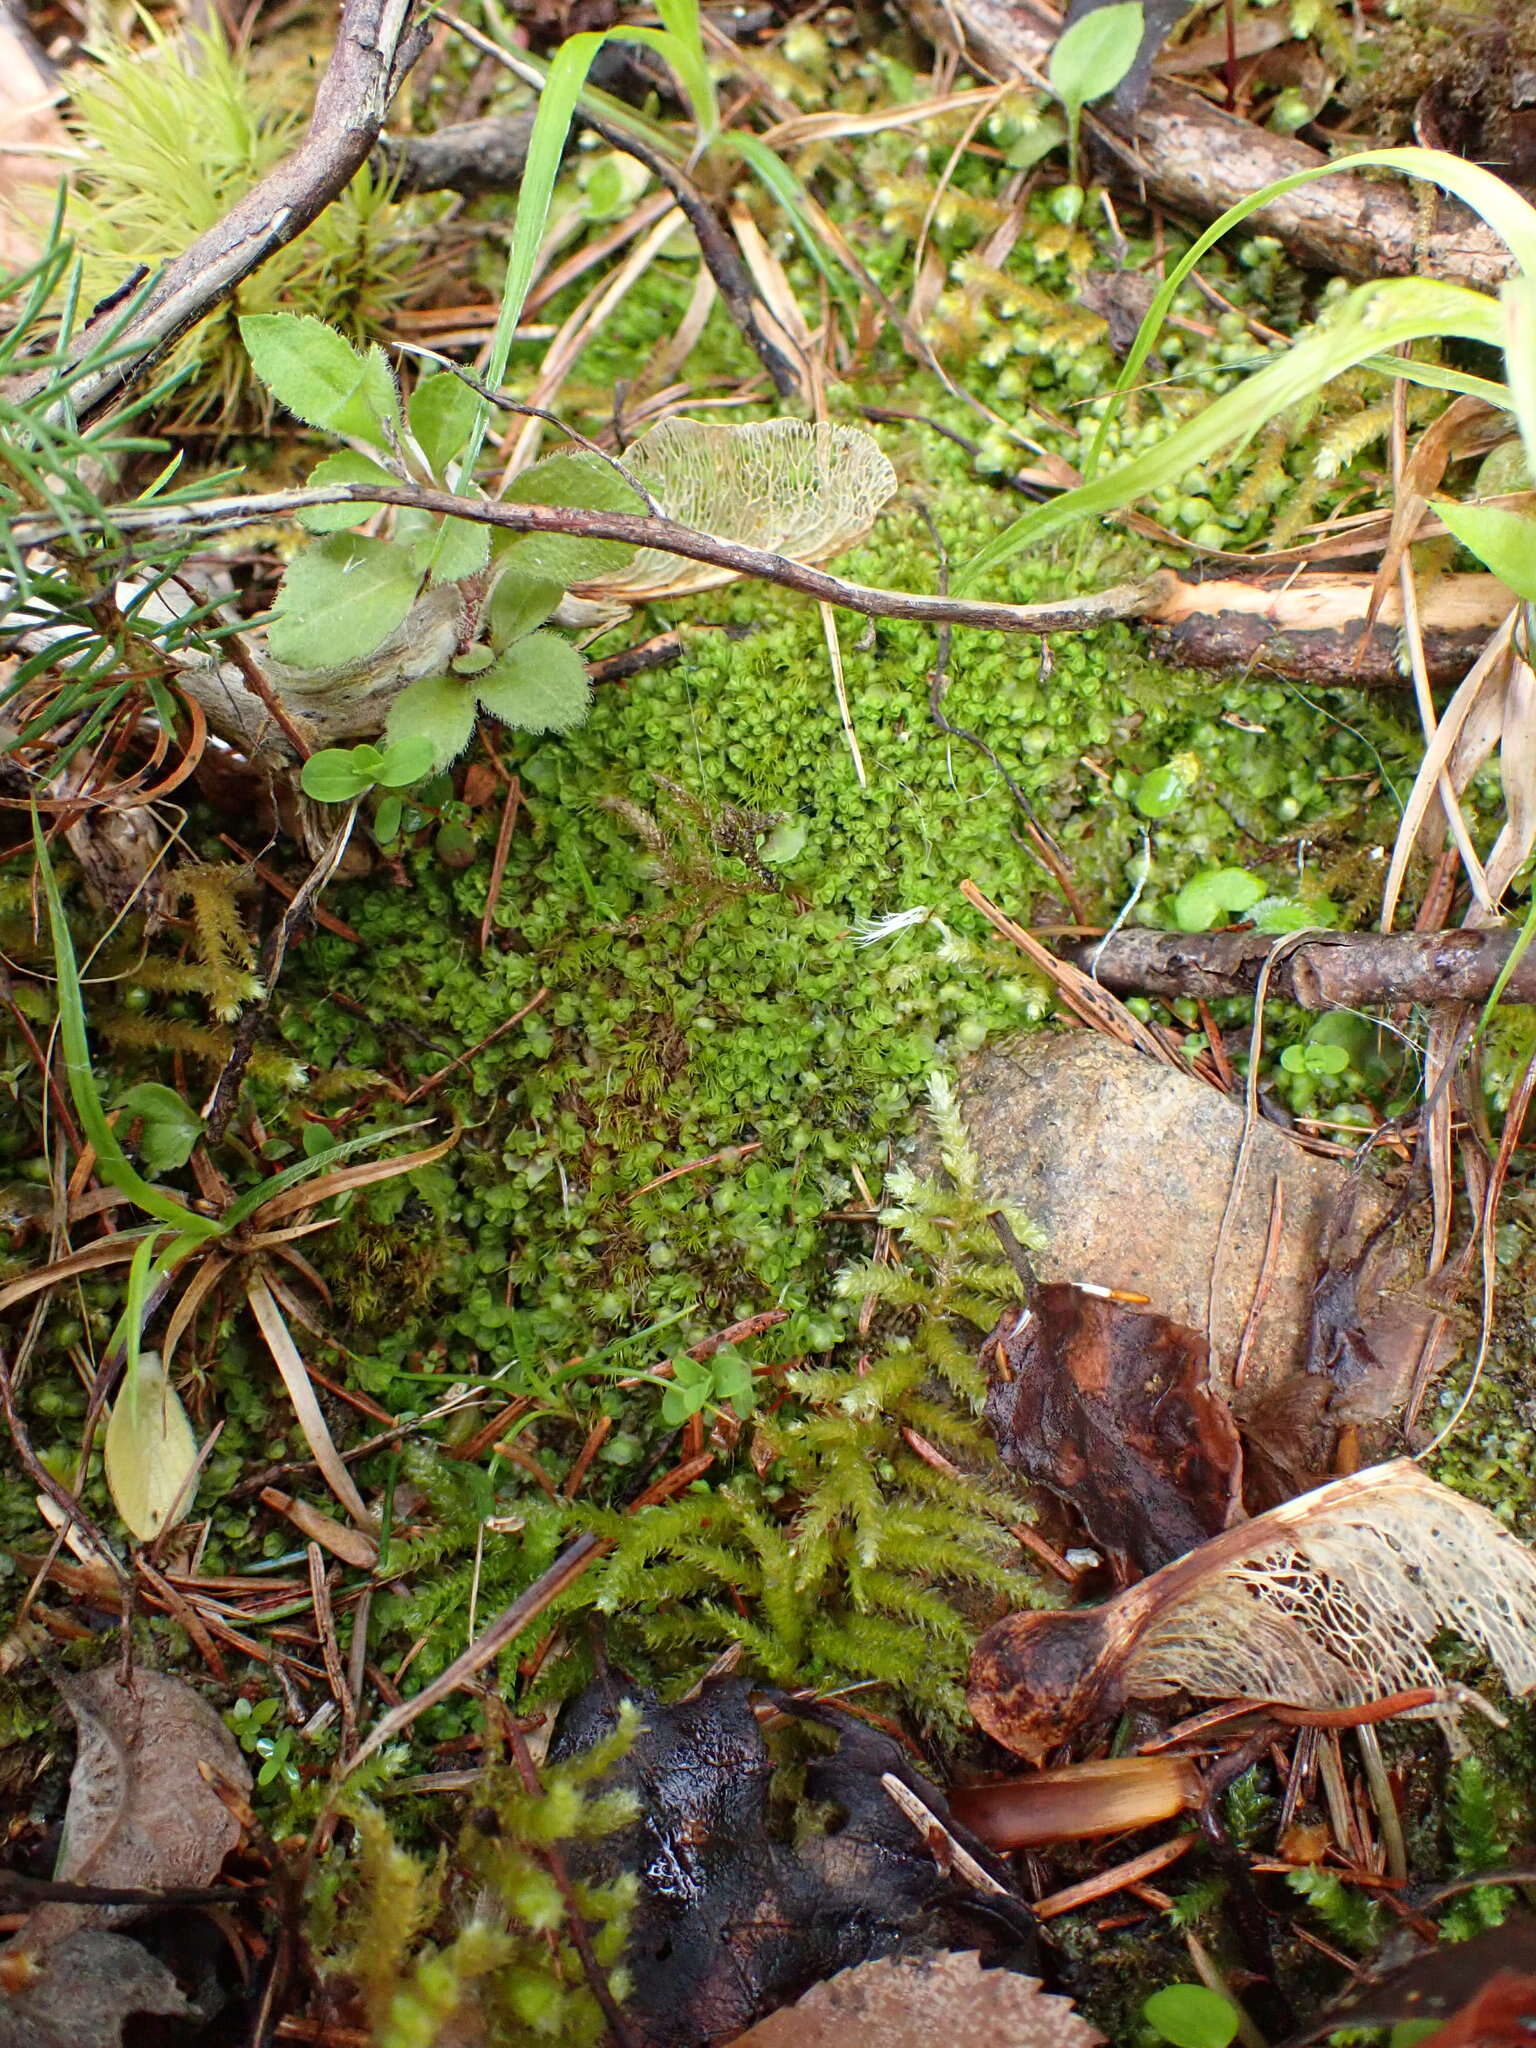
[150, 1452]
[539, 685]
[346, 466]
[320, 377]
[437, 710]
[169, 1127]
[340, 599]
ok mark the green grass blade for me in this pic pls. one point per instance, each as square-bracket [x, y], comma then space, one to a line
[1373, 320]
[111, 1160]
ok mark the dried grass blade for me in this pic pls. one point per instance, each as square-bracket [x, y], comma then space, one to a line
[1442, 738]
[1517, 768]
[285, 1355]
[115, 1251]
[311, 1192]
[193, 1295]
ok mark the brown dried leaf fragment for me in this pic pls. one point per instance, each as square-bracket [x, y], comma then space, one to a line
[1329, 1601]
[915, 2004]
[141, 1814]
[86, 1992]
[1111, 1408]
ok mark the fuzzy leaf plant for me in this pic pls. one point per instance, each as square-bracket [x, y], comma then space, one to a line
[880, 1514]
[348, 596]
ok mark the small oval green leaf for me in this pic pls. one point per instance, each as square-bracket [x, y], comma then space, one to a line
[539, 685]
[340, 599]
[149, 1450]
[1190, 2016]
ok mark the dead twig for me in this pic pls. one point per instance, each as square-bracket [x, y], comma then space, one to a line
[220, 515]
[1331, 971]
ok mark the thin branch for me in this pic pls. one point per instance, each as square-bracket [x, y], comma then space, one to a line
[219, 515]
[1332, 971]
[715, 245]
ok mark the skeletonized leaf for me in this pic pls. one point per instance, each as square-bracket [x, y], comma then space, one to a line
[141, 1815]
[150, 1452]
[902, 2004]
[795, 487]
[1331, 1600]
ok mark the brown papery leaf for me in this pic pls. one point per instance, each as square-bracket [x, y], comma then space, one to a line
[1329, 1601]
[87, 1990]
[1111, 1408]
[141, 1815]
[915, 2004]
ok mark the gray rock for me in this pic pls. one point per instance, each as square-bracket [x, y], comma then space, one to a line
[1127, 1166]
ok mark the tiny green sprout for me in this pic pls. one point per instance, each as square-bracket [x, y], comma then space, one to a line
[1213, 896]
[338, 774]
[1190, 2016]
[1090, 59]
[698, 1384]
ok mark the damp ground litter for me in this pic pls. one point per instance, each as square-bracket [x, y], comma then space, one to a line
[766, 1255]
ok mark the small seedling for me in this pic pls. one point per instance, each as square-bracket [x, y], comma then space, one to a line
[698, 1384]
[338, 774]
[1089, 60]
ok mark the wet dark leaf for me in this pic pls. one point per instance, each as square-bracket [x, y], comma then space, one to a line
[1483, 1991]
[1110, 1407]
[741, 1910]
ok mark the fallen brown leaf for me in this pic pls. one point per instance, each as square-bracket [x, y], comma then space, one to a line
[1110, 1407]
[916, 2004]
[141, 1814]
[92, 1984]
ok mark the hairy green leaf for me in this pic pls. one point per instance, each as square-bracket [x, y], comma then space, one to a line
[519, 604]
[441, 411]
[320, 377]
[340, 599]
[346, 466]
[437, 710]
[539, 685]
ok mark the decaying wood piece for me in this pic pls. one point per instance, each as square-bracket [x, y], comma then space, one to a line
[1334, 971]
[377, 42]
[1317, 627]
[1329, 1602]
[1192, 156]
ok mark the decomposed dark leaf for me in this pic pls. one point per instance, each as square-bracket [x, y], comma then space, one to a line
[735, 1917]
[140, 1814]
[912, 2004]
[88, 1988]
[1329, 1601]
[1111, 1408]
